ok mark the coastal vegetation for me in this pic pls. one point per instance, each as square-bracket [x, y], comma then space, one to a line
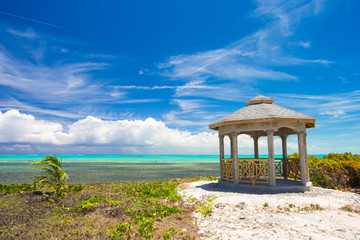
[52, 209]
[53, 174]
[335, 171]
[125, 210]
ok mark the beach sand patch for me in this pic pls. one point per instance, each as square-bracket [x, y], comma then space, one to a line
[318, 214]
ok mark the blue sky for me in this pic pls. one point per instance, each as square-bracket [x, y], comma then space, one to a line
[147, 77]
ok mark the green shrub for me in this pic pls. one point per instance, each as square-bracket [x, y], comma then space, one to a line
[122, 231]
[17, 188]
[334, 170]
[206, 207]
[75, 188]
[146, 228]
[91, 202]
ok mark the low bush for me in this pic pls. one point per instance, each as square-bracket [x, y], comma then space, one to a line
[206, 207]
[334, 170]
[17, 188]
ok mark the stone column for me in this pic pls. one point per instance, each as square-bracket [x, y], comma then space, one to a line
[284, 153]
[231, 146]
[234, 154]
[270, 138]
[221, 151]
[307, 157]
[302, 153]
[256, 146]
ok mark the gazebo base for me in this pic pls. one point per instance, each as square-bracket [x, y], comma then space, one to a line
[282, 186]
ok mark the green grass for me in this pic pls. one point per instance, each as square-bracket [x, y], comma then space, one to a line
[128, 210]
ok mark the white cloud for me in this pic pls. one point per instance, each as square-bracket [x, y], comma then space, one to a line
[137, 136]
[143, 135]
[16, 127]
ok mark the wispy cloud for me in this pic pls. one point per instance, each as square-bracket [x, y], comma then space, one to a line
[221, 91]
[189, 109]
[334, 114]
[144, 87]
[252, 58]
[29, 33]
[192, 112]
[47, 83]
[197, 84]
[34, 21]
[340, 106]
[306, 44]
[14, 103]
[65, 82]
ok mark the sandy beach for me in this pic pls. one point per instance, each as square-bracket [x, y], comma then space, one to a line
[318, 214]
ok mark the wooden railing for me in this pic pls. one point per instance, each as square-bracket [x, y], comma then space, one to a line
[293, 168]
[227, 169]
[256, 170]
[253, 170]
[279, 167]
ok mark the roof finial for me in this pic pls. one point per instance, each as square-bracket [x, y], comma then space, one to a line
[260, 99]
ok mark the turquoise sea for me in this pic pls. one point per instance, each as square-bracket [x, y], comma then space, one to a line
[114, 168]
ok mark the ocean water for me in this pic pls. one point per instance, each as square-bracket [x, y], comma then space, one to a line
[114, 168]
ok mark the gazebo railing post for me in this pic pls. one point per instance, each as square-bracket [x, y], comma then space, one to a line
[270, 137]
[234, 150]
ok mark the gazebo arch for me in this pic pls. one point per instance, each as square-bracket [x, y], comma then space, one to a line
[262, 118]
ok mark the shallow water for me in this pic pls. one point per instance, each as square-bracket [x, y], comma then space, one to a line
[114, 168]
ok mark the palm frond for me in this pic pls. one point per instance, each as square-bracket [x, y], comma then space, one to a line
[50, 167]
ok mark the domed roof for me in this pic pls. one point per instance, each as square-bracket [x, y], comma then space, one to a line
[263, 109]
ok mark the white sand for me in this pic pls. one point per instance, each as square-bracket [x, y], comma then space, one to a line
[243, 216]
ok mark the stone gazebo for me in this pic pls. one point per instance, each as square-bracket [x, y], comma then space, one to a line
[262, 118]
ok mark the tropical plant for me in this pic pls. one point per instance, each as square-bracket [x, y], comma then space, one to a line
[334, 170]
[52, 174]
